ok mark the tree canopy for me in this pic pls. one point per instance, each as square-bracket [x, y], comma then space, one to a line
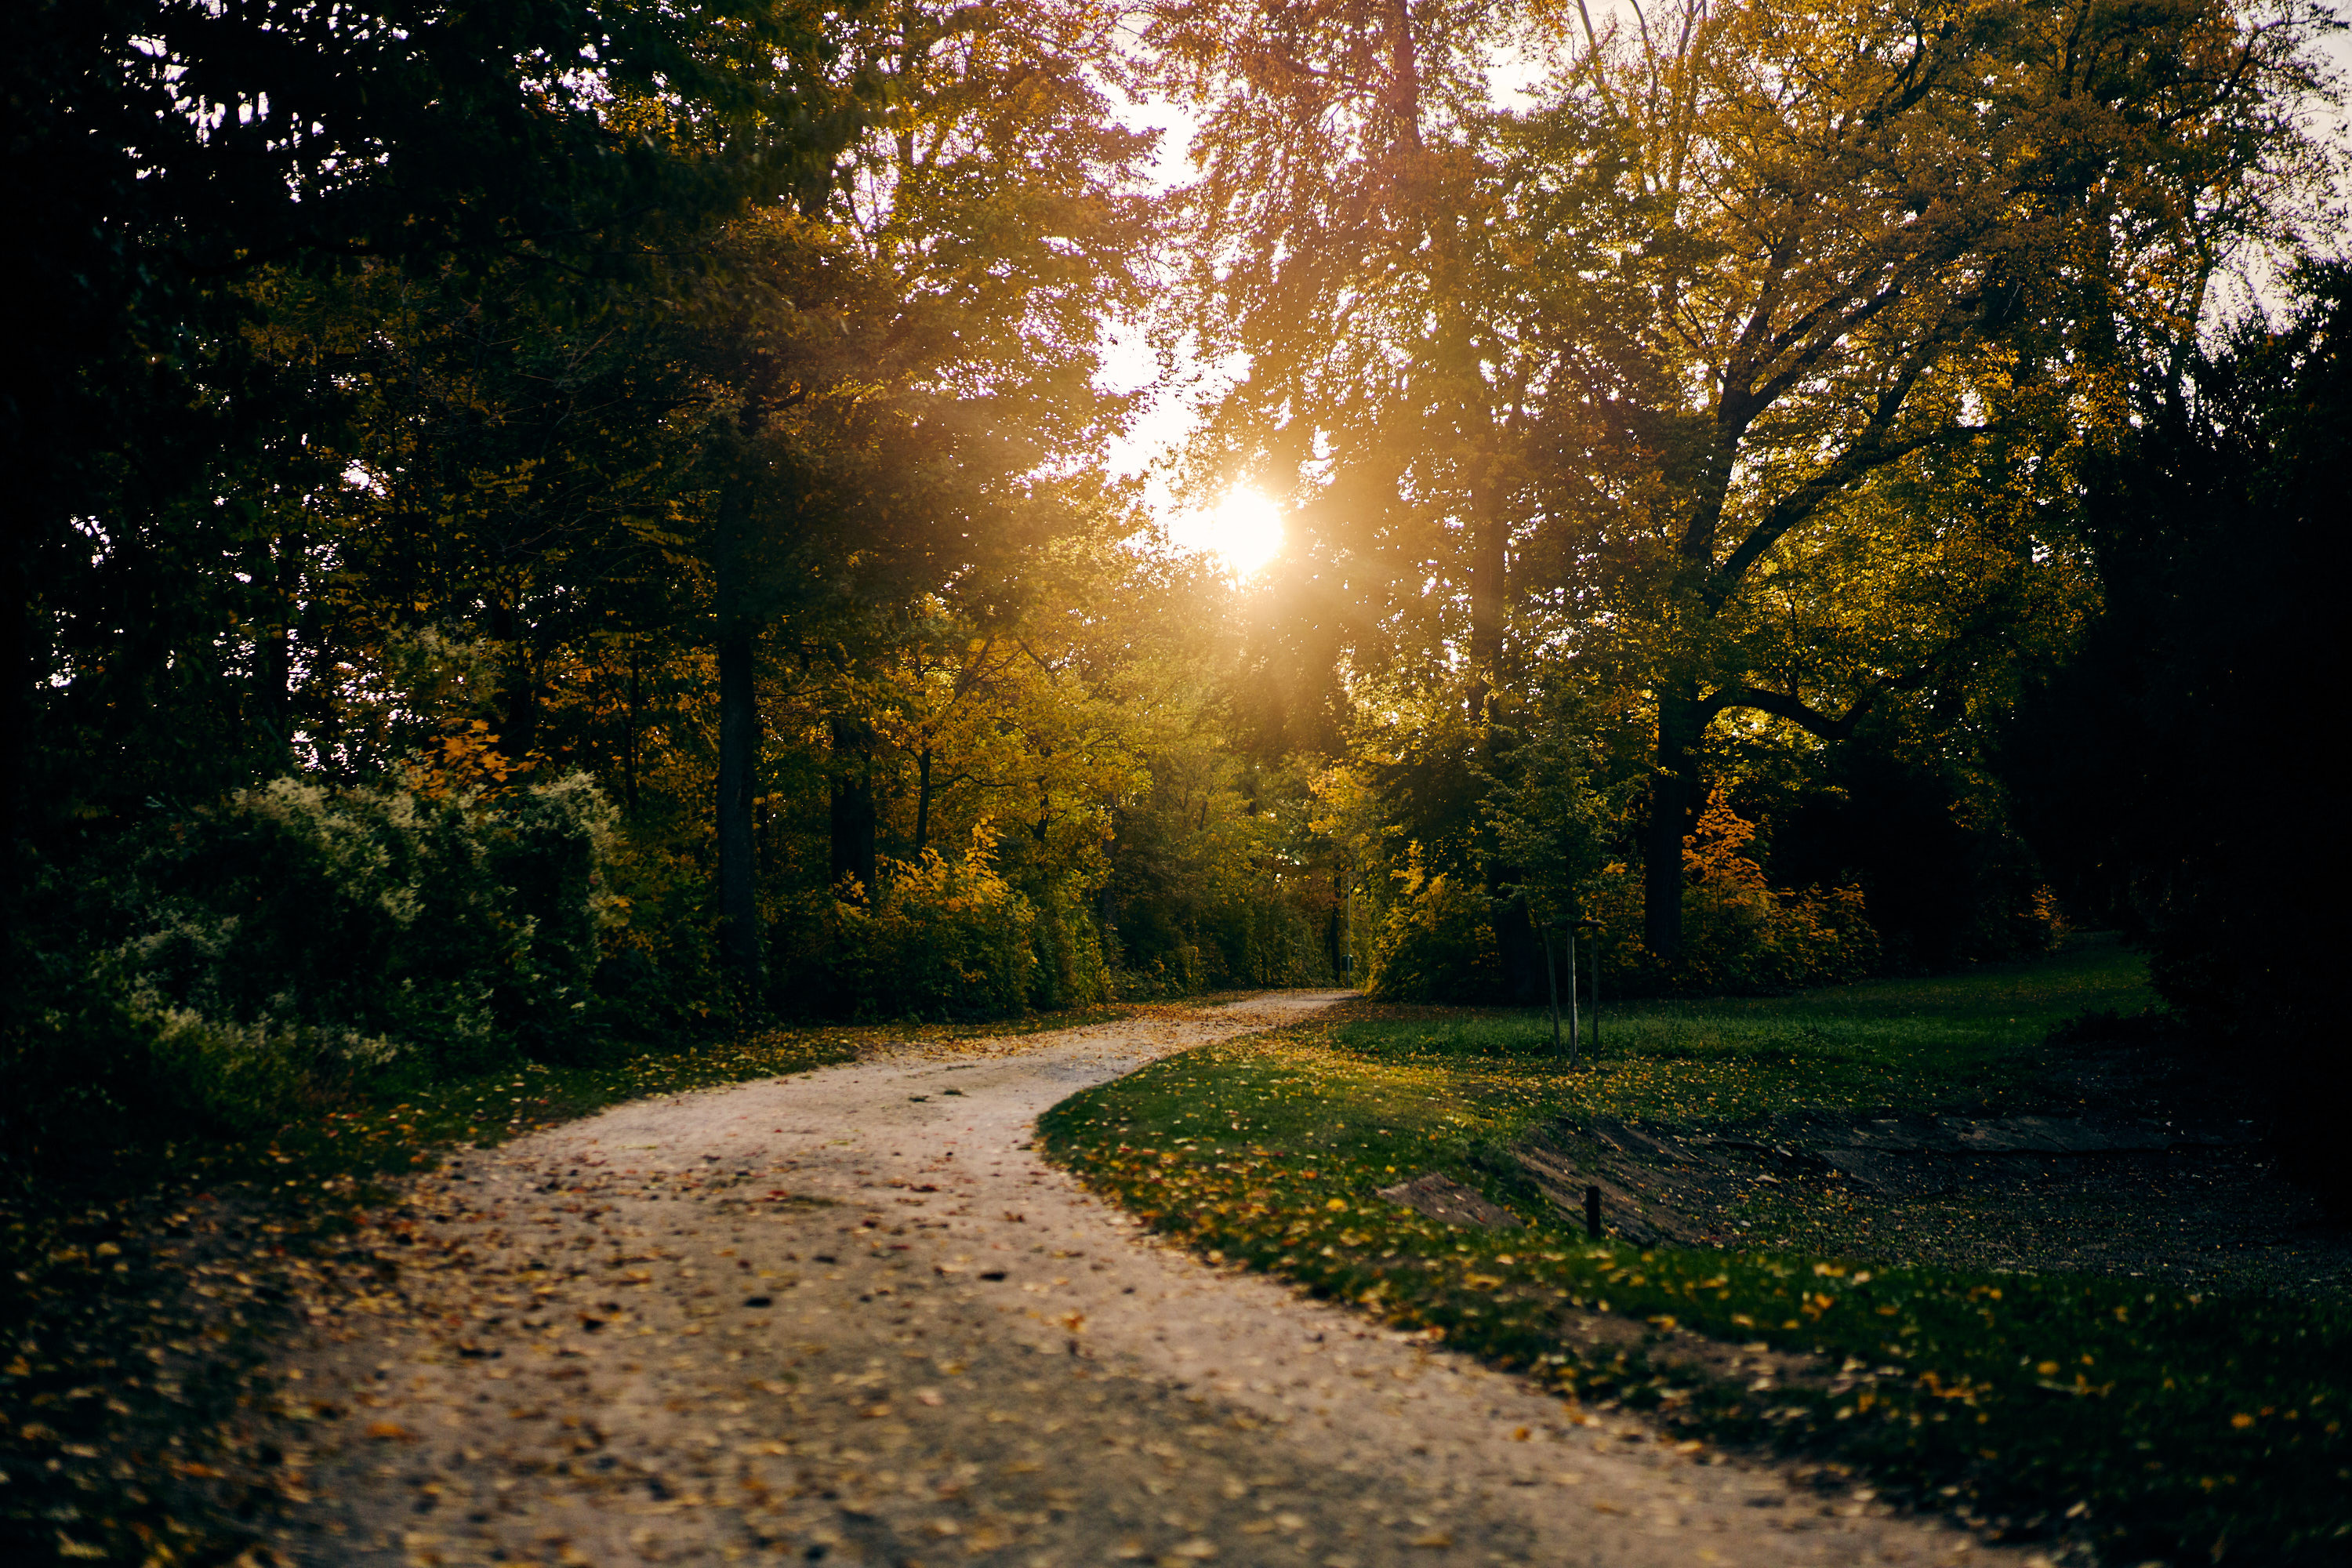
[647, 466]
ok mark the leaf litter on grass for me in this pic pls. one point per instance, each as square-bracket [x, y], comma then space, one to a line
[138, 1422]
[2131, 1417]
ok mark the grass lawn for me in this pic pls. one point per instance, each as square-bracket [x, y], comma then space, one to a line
[2135, 1418]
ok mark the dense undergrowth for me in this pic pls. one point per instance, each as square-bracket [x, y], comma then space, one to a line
[2133, 1419]
[268, 969]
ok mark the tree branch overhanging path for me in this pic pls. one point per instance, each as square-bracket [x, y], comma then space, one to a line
[853, 1317]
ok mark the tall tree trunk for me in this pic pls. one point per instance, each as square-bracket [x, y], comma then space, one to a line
[1489, 596]
[1673, 798]
[922, 799]
[273, 654]
[1551, 988]
[853, 805]
[521, 721]
[738, 745]
[739, 736]
[1332, 937]
[16, 676]
[633, 727]
[1677, 791]
[1404, 80]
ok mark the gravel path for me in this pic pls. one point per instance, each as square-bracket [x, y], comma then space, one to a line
[850, 1317]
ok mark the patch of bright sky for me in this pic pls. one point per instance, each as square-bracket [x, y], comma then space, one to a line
[1180, 392]
[1242, 526]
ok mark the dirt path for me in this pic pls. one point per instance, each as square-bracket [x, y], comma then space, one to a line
[852, 1318]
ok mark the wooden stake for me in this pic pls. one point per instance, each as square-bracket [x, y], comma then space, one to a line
[1575, 1031]
[1551, 984]
[1596, 990]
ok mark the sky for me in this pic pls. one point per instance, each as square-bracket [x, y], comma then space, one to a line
[1242, 526]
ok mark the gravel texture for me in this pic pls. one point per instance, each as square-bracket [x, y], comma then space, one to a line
[852, 1317]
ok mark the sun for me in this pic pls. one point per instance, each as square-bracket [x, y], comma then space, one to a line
[1244, 529]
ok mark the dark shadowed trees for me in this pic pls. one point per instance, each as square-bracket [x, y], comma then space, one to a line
[2173, 776]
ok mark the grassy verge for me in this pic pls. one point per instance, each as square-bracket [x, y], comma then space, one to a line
[135, 1330]
[2134, 1421]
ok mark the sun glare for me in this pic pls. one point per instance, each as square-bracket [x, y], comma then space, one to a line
[1243, 530]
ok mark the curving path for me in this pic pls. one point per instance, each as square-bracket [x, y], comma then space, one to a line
[851, 1318]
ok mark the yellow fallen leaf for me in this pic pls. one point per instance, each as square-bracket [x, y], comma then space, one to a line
[1434, 1538]
[390, 1431]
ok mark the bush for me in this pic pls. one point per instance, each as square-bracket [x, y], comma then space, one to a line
[1436, 943]
[1175, 968]
[1263, 936]
[1071, 971]
[943, 939]
[290, 942]
[1947, 879]
[458, 930]
[1739, 934]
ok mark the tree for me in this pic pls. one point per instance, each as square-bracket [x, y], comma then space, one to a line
[2168, 774]
[1553, 828]
[1342, 238]
[1856, 248]
[917, 343]
[180, 152]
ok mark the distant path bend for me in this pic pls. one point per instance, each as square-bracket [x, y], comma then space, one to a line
[850, 1317]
